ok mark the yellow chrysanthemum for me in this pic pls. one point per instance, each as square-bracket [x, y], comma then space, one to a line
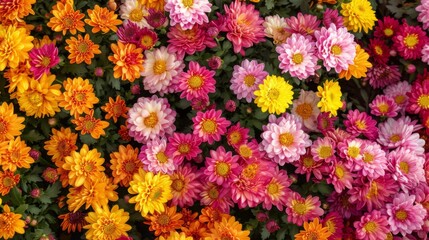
[176, 236]
[10, 223]
[313, 230]
[358, 15]
[330, 97]
[359, 67]
[128, 60]
[274, 95]
[19, 78]
[40, 98]
[90, 124]
[81, 49]
[106, 224]
[228, 228]
[158, 5]
[15, 154]
[61, 144]
[152, 191]
[15, 43]
[115, 109]
[15, 10]
[125, 163]
[38, 43]
[101, 19]
[78, 96]
[10, 124]
[66, 18]
[83, 165]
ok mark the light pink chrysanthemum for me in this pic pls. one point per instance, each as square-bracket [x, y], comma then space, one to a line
[350, 150]
[384, 106]
[216, 196]
[425, 53]
[188, 13]
[283, 139]
[298, 56]
[331, 16]
[150, 118]
[340, 176]
[160, 69]
[300, 210]
[237, 135]
[423, 10]
[43, 59]
[382, 75]
[305, 108]
[154, 157]
[323, 149]
[210, 126]
[357, 123]
[398, 92]
[183, 146]
[409, 41]
[399, 133]
[277, 190]
[372, 226]
[304, 24]
[404, 215]
[373, 163]
[221, 166]
[186, 186]
[196, 83]
[336, 47]
[246, 79]
[243, 25]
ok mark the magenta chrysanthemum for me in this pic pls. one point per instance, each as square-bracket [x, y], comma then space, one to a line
[386, 27]
[418, 97]
[384, 106]
[372, 226]
[209, 125]
[409, 41]
[43, 59]
[277, 190]
[183, 146]
[154, 157]
[300, 210]
[382, 75]
[304, 24]
[221, 166]
[196, 83]
[340, 176]
[357, 123]
[188, 13]
[237, 135]
[185, 186]
[246, 79]
[331, 16]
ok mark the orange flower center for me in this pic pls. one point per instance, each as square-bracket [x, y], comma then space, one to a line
[80, 97]
[234, 137]
[404, 167]
[245, 151]
[15, 155]
[89, 167]
[82, 47]
[395, 138]
[273, 94]
[370, 226]
[68, 22]
[89, 125]
[155, 194]
[399, 99]
[383, 107]
[151, 120]
[308, 162]
[8, 182]
[136, 15]
[209, 126]
[325, 152]
[109, 227]
[297, 58]
[213, 193]
[300, 208]
[188, 3]
[45, 61]
[411, 40]
[423, 101]
[368, 157]
[339, 172]
[378, 50]
[286, 139]
[130, 167]
[163, 219]
[336, 50]
[159, 67]
[147, 41]
[195, 82]
[273, 188]
[184, 148]
[161, 157]
[222, 169]
[304, 110]
[178, 185]
[249, 80]
[117, 110]
[250, 171]
[361, 125]
[401, 215]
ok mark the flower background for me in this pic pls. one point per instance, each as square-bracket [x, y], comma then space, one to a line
[197, 119]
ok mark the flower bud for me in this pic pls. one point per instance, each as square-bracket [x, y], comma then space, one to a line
[135, 89]
[33, 223]
[272, 226]
[52, 122]
[34, 154]
[214, 62]
[50, 175]
[411, 68]
[230, 106]
[99, 71]
[35, 193]
[262, 216]
[393, 53]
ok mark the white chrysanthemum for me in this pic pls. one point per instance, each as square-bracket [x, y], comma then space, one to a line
[135, 12]
[275, 28]
[305, 108]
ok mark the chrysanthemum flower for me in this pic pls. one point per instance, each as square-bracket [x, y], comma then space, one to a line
[157, 5]
[336, 47]
[150, 118]
[8, 180]
[395, 133]
[78, 97]
[215, 196]
[423, 9]
[246, 79]
[15, 154]
[105, 223]
[323, 149]
[373, 163]
[386, 27]
[331, 16]
[300, 210]
[73, 222]
[409, 41]
[188, 13]
[196, 83]
[334, 222]
[384, 106]
[249, 150]
[186, 186]
[418, 97]
[154, 157]
[372, 225]
[425, 54]
[379, 50]
[15, 44]
[350, 149]
[308, 166]
[164, 221]
[183, 146]
[340, 176]
[298, 56]
[382, 75]
[90, 124]
[209, 125]
[277, 190]
[101, 19]
[66, 18]
[61, 144]
[339, 202]
[135, 12]
[228, 227]
[330, 97]
[152, 191]
[305, 108]
[16, 10]
[274, 95]
[157, 18]
[398, 92]
[41, 97]
[128, 60]
[143, 38]
[161, 69]
[275, 28]
[237, 135]
[325, 122]
[115, 109]
[304, 24]
[11, 223]
[243, 26]
[359, 67]
[404, 214]
[10, 124]
[358, 15]
[211, 215]
[19, 78]
[313, 230]
[81, 49]
[43, 59]
[358, 123]
[125, 163]
[221, 166]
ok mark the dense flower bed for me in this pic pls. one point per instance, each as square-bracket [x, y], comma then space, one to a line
[198, 119]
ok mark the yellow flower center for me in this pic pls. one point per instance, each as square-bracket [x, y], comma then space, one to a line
[151, 120]
[161, 157]
[401, 215]
[339, 172]
[297, 58]
[286, 139]
[184, 148]
[405, 168]
[163, 219]
[82, 47]
[45, 61]
[399, 99]
[336, 49]
[15, 155]
[325, 152]
[89, 167]
[129, 167]
[250, 171]
[80, 96]
[368, 157]
[273, 94]
[222, 169]
[373, 190]
[89, 125]
[361, 125]
[155, 193]
[147, 41]
[411, 40]
[209, 126]
[235, 137]
[370, 226]
[245, 151]
[213, 193]
[136, 15]
[353, 151]
[378, 50]
[178, 185]
[423, 101]
[195, 82]
[308, 162]
[273, 188]
[188, 3]
[109, 227]
[249, 80]
[304, 110]
[8, 182]
[388, 32]
[330, 225]
[159, 67]
[35, 99]
[395, 138]
[383, 107]
[300, 208]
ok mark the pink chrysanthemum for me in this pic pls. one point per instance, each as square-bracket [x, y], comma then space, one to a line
[386, 28]
[331, 16]
[277, 190]
[323, 149]
[399, 133]
[183, 146]
[246, 79]
[338, 135]
[325, 122]
[283, 139]
[150, 118]
[156, 19]
[300, 210]
[196, 83]
[43, 59]
[210, 126]
[423, 10]
[243, 25]
[340, 176]
[372, 226]
[237, 135]
[350, 149]
[425, 54]
[143, 38]
[381, 75]
[188, 13]
[379, 51]
[373, 163]
[308, 165]
[189, 41]
[336, 47]
[221, 166]
[304, 24]
[216, 196]
[418, 97]
[334, 222]
[154, 157]
[384, 106]
[186, 186]
[249, 150]
[160, 70]
[404, 215]
[298, 56]
[357, 123]
[398, 92]
[409, 41]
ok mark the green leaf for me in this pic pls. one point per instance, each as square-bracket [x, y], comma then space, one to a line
[264, 233]
[281, 234]
[269, 4]
[53, 190]
[34, 210]
[16, 196]
[76, 69]
[33, 178]
[33, 136]
[260, 115]
[87, 139]
[21, 209]
[114, 82]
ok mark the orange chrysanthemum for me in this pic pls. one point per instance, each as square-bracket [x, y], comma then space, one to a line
[211, 215]
[228, 228]
[101, 19]
[128, 60]
[61, 144]
[90, 124]
[359, 67]
[15, 10]
[154, 4]
[313, 230]
[15, 43]
[7, 181]
[164, 222]
[10, 124]
[66, 18]
[125, 163]
[10, 223]
[15, 154]
[196, 230]
[78, 96]
[73, 221]
[81, 49]
[38, 43]
[19, 78]
[115, 108]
